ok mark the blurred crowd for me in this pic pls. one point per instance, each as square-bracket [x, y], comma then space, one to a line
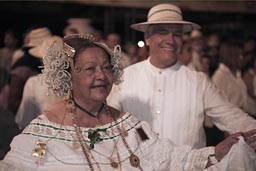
[229, 62]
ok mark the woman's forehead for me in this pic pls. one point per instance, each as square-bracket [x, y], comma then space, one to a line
[92, 54]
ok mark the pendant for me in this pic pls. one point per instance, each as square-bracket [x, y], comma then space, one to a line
[39, 149]
[75, 145]
[113, 164]
[124, 132]
[134, 160]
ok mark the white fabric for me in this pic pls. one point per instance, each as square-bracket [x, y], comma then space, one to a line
[34, 101]
[232, 86]
[155, 154]
[241, 157]
[173, 101]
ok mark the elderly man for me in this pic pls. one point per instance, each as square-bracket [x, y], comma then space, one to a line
[171, 97]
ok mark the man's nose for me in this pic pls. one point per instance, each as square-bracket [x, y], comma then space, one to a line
[170, 37]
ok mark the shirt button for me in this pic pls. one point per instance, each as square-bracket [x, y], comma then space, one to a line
[159, 90]
[158, 112]
[160, 72]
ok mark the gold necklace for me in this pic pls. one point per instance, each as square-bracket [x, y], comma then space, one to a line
[134, 159]
[40, 147]
[112, 162]
[71, 107]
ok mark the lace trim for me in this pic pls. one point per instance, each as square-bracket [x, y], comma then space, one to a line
[46, 129]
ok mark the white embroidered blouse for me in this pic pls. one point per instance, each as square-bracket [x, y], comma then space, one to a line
[154, 153]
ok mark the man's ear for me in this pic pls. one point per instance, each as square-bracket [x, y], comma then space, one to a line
[147, 42]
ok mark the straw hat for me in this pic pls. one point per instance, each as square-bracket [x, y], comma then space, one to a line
[37, 36]
[165, 14]
[41, 50]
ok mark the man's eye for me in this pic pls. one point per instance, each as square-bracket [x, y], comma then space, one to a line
[177, 34]
[162, 32]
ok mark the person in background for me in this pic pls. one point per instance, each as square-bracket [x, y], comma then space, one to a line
[78, 25]
[185, 55]
[98, 35]
[249, 77]
[35, 97]
[196, 41]
[212, 48]
[114, 39]
[25, 67]
[227, 78]
[6, 52]
[172, 98]
[18, 53]
[132, 51]
[85, 133]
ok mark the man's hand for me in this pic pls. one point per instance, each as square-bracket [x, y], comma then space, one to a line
[250, 138]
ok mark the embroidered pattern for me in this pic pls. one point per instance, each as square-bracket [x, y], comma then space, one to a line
[45, 129]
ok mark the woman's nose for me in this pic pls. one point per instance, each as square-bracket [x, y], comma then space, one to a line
[100, 73]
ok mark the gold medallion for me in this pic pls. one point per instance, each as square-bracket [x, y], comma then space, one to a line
[113, 164]
[39, 149]
[134, 160]
[75, 145]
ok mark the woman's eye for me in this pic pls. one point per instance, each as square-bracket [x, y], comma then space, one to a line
[90, 69]
[109, 68]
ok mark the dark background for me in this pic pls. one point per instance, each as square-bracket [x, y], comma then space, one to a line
[19, 15]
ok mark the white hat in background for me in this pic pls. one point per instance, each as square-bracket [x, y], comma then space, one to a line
[37, 36]
[81, 25]
[165, 14]
[41, 50]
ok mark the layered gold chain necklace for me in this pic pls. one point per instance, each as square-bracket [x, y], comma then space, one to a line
[94, 137]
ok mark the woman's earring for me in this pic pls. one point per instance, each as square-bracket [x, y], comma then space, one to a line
[77, 68]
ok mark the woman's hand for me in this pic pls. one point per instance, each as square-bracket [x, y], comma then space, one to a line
[223, 147]
[250, 138]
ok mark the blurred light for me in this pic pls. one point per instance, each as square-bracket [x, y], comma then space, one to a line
[141, 43]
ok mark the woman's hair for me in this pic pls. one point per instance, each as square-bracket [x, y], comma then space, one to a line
[61, 56]
[230, 52]
[80, 43]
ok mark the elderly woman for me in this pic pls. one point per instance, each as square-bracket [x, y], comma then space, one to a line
[84, 133]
